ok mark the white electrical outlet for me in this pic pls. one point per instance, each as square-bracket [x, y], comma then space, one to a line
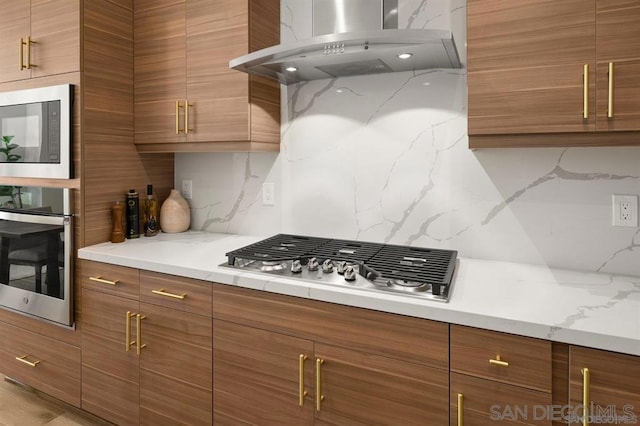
[625, 210]
[187, 189]
[268, 194]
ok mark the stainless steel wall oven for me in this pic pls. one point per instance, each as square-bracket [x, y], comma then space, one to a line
[36, 252]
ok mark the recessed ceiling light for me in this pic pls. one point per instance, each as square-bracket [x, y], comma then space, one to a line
[291, 69]
[405, 55]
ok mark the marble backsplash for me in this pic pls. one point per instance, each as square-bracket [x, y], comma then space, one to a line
[385, 158]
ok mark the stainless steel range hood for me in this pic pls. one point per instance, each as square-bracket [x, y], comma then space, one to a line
[350, 37]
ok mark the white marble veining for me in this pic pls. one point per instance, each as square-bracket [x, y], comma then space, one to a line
[590, 309]
[385, 158]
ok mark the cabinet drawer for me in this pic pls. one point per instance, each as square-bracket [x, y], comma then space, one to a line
[55, 366]
[486, 402]
[475, 352]
[395, 336]
[113, 279]
[183, 294]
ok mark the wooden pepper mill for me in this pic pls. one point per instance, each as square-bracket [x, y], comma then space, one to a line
[117, 214]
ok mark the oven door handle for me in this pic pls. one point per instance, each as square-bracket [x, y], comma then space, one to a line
[35, 218]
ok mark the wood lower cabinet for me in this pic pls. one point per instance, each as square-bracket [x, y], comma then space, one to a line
[258, 376]
[539, 73]
[42, 362]
[53, 29]
[497, 376]
[186, 97]
[147, 356]
[611, 383]
[358, 367]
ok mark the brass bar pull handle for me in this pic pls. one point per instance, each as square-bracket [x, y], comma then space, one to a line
[127, 331]
[103, 281]
[585, 396]
[301, 392]
[585, 95]
[319, 396]
[161, 292]
[460, 409]
[186, 115]
[139, 345]
[24, 360]
[29, 43]
[21, 54]
[610, 102]
[498, 361]
[178, 106]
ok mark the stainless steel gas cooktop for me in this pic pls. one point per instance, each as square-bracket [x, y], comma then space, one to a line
[413, 271]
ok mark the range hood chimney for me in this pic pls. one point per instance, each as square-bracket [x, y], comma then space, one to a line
[352, 37]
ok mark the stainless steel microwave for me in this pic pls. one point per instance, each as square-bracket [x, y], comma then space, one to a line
[35, 132]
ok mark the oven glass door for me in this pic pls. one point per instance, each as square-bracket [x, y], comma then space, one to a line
[35, 257]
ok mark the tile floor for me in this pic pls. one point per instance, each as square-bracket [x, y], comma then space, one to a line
[24, 406]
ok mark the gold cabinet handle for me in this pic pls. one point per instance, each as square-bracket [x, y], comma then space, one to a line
[319, 396]
[103, 281]
[24, 360]
[127, 331]
[585, 396]
[585, 95]
[610, 101]
[20, 54]
[139, 344]
[498, 361]
[301, 392]
[178, 106]
[187, 105]
[460, 409]
[29, 43]
[161, 292]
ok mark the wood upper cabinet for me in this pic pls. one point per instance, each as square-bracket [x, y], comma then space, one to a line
[612, 385]
[186, 97]
[618, 44]
[538, 72]
[52, 27]
[358, 367]
[525, 65]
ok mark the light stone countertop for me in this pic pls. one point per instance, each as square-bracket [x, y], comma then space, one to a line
[589, 309]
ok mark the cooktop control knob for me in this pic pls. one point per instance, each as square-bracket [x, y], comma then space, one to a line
[313, 264]
[350, 273]
[327, 266]
[296, 267]
[341, 267]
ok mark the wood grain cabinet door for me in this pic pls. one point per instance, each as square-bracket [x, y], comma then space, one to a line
[525, 66]
[110, 374]
[55, 29]
[15, 25]
[612, 384]
[175, 367]
[258, 377]
[159, 71]
[618, 43]
[357, 388]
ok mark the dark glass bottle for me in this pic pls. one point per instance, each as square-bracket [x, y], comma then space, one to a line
[133, 214]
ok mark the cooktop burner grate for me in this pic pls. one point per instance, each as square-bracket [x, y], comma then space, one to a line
[277, 248]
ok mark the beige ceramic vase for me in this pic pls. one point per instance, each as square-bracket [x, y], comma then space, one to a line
[175, 215]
